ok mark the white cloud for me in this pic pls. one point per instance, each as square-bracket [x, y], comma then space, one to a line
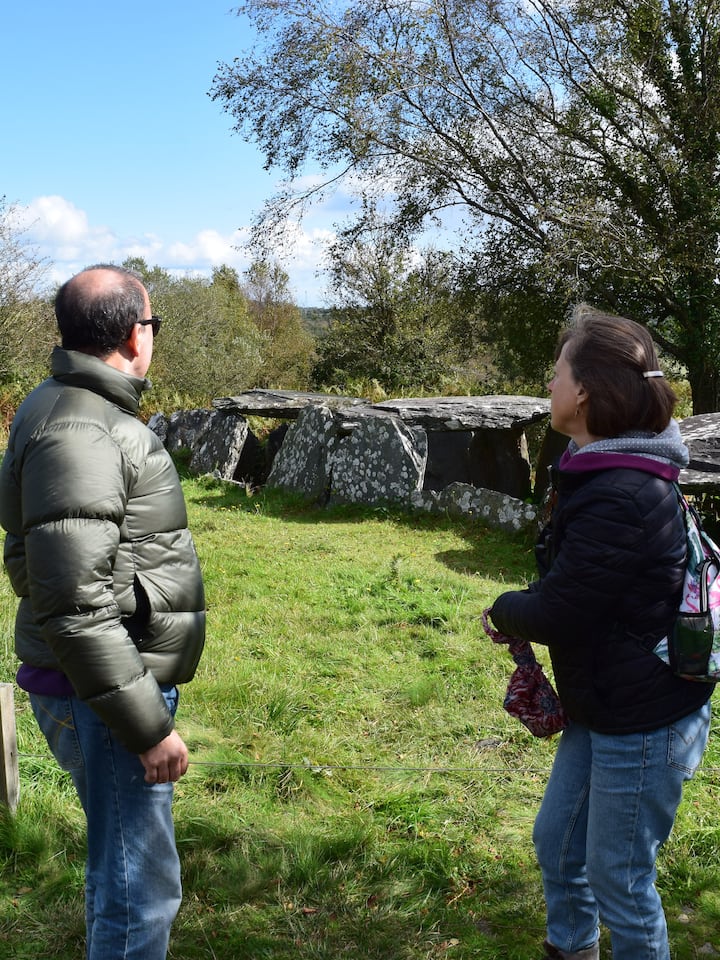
[210, 248]
[61, 231]
[307, 247]
[53, 219]
[65, 237]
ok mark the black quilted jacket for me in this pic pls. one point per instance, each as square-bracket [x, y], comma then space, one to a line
[614, 555]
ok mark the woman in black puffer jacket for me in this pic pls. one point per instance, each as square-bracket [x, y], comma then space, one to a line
[611, 571]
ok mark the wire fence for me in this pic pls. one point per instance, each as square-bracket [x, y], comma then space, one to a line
[319, 767]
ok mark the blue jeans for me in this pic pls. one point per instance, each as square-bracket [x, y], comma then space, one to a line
[132, 889]
[609, 805]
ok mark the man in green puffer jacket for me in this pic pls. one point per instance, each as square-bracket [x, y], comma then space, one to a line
[111, 615]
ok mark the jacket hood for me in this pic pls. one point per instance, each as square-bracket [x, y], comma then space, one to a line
[78, 369]
[663, 454]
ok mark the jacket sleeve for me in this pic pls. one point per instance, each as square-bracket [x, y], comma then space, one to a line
[593, 572]
[75, 483]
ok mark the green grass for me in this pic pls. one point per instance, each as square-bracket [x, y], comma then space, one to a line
[356, 790]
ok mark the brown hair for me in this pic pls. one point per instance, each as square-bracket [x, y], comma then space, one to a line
[608, 356]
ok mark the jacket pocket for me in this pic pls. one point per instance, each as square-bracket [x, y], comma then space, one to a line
[136, 623]
[57, 723]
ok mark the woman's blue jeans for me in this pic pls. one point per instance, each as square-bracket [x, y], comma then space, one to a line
[609, 805]
[132, 890]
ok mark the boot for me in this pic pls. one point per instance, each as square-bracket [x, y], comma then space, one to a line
[554, 953]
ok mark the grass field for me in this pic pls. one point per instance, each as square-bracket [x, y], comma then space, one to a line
[356, 789]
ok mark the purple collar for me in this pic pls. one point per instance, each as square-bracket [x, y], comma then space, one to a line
[587, 462]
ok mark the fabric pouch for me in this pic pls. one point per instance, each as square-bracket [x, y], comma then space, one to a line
[530, 697]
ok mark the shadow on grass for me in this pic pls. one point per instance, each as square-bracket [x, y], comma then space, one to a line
[343, 891]
[486, 553]
[358, 886]
[380, 883]
[346, 891]
[302, 893]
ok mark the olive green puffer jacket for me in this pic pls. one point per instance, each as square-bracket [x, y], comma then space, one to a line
[97, 547]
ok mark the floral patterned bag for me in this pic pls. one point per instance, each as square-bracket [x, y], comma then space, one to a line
[530, 696]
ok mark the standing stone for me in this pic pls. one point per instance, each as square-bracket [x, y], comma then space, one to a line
[381, 461]
[553, 446]
[221, 445]
[448, 458]
[301, 463]
[497, 510]
[252, 466]
[186, 428]
[499, 461]
[701, 434]
[158, 423]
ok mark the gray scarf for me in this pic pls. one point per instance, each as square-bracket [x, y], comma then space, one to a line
[667, 446]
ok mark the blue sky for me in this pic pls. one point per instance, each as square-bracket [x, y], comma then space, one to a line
[111, 146]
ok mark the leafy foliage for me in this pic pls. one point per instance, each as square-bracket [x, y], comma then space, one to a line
[27, 327]
[289, 347]
[208, 345]
[400, 319]
[585, 138]
[222, 336]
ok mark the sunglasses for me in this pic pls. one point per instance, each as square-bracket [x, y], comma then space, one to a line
[154, 323]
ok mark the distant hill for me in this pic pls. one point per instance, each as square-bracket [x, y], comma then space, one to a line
[316, 319]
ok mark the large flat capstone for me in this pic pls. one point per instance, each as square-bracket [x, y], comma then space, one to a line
[432, 413]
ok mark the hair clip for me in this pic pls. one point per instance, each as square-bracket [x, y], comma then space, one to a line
[653, 373]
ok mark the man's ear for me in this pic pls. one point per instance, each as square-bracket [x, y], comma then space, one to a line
[132, 344]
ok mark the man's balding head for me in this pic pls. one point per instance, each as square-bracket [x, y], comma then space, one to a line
[96, 309]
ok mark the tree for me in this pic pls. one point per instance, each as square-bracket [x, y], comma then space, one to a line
[208, 346]
[289, 349]
[27, 326]
[394, 316]
[225, 334]
[579, 141]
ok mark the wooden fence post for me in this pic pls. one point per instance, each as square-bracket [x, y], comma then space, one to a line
[9, 777]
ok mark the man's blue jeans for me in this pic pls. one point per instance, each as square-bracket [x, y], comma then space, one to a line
[609, 805]
[133, 889]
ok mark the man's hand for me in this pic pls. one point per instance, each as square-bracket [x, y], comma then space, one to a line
[167, 761]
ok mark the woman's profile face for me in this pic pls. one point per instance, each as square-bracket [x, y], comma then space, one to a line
[566, 399]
